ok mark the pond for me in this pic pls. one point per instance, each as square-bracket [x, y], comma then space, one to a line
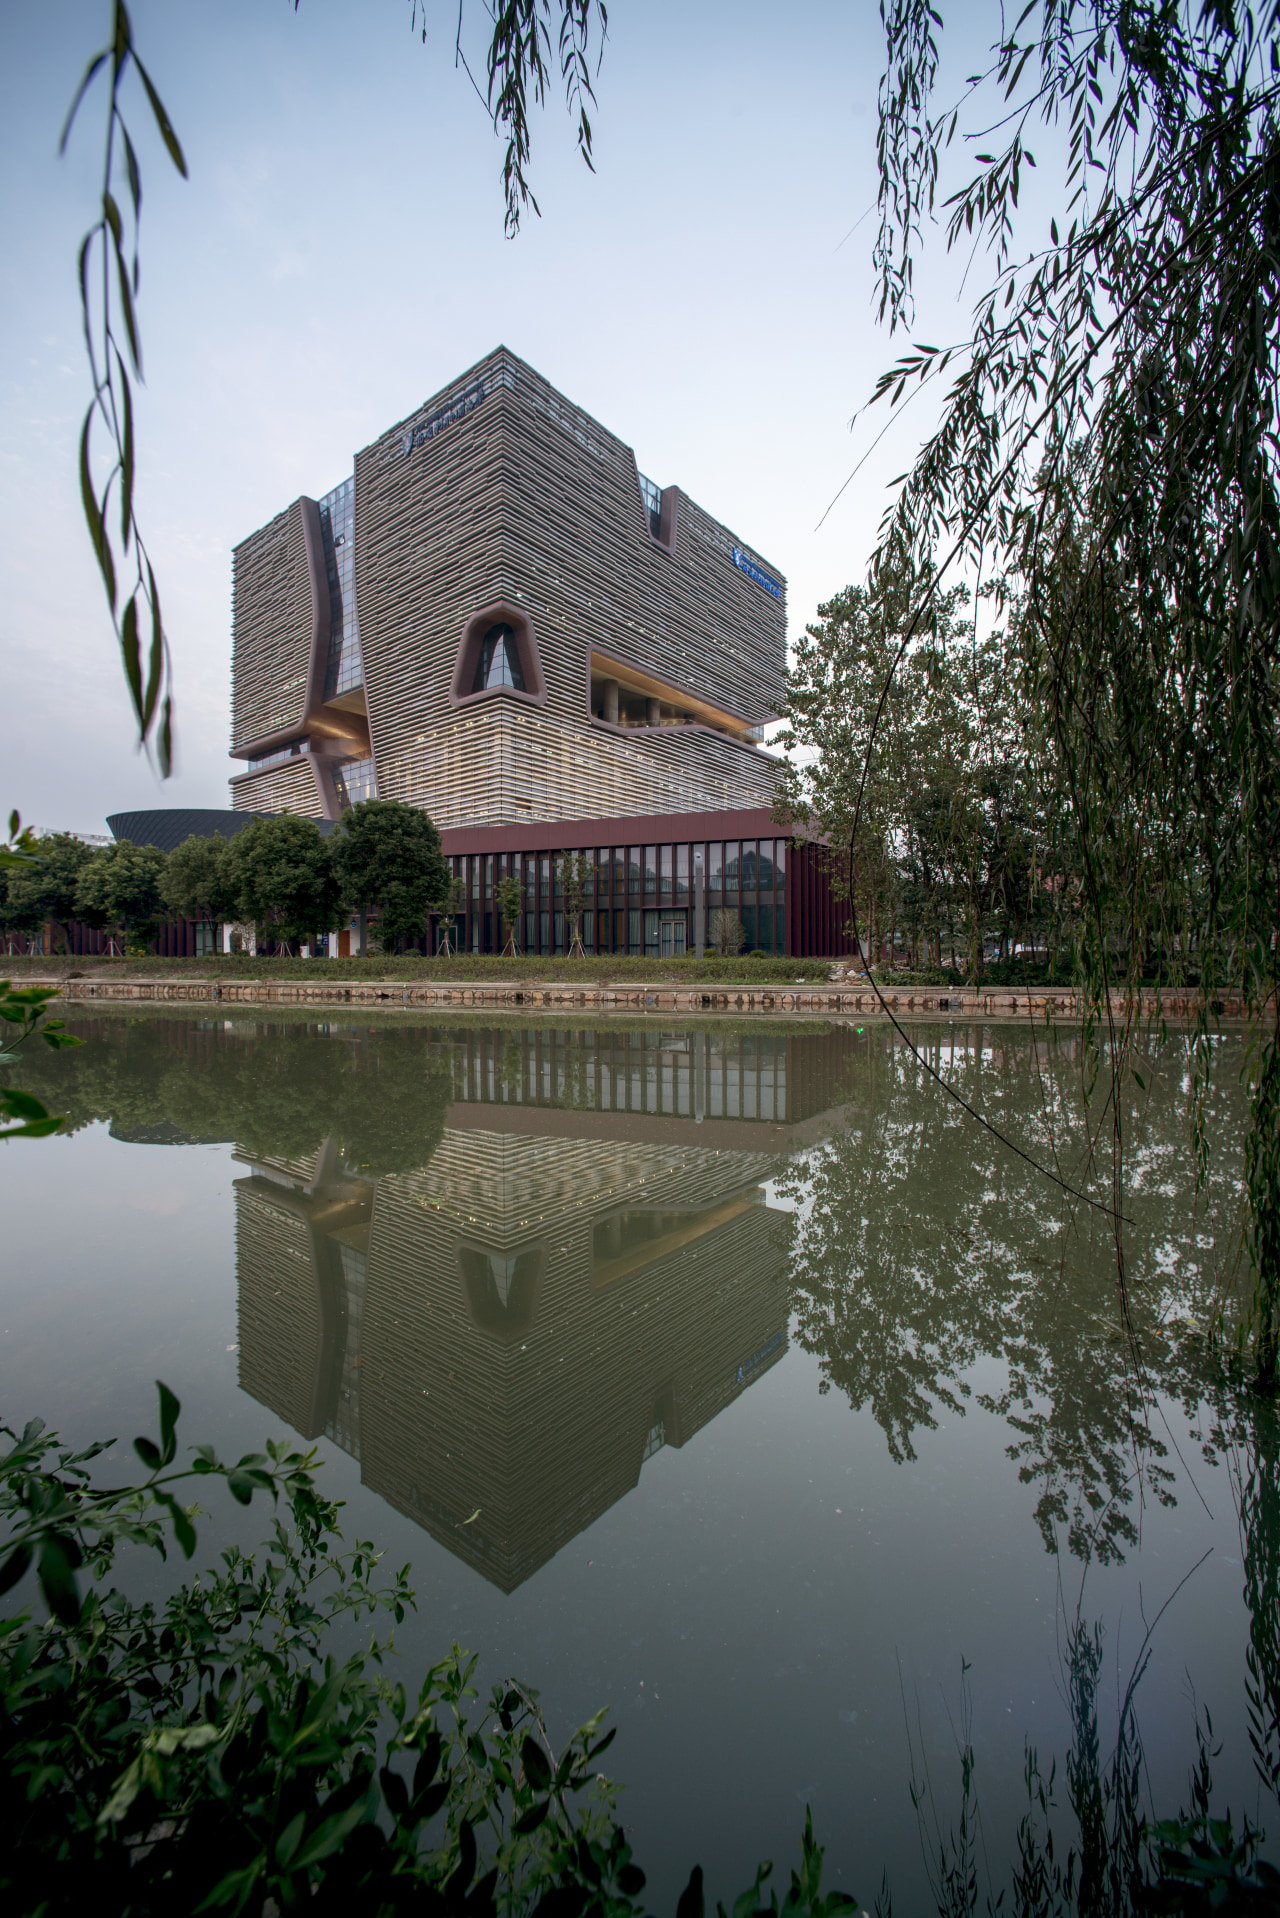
[731, 1377]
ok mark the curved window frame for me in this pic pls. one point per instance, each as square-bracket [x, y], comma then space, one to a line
[474, 633]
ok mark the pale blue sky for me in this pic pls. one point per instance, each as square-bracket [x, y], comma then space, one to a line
[337, 255]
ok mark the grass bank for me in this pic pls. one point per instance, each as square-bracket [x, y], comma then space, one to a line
[467, 968]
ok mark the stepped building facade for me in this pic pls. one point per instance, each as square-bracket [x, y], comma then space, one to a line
[499, 618]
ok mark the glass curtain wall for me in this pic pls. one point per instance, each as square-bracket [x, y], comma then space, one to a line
[638, 899]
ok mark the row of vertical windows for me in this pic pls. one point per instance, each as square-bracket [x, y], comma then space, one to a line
[345, 670]
[637, 899]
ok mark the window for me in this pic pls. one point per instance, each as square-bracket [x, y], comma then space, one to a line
[682, 872]
[498, 663]
[666, 872]
[651, 868]
[277, 758]
[498, 654]
[652, 496]
[353, 781]
[633, 869]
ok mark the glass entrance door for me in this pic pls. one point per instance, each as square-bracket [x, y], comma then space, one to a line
[674, 932]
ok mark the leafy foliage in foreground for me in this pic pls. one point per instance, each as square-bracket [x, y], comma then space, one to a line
[26, 1008]
[216, 1752]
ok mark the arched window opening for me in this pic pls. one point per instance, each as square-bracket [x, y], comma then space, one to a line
[499, 662]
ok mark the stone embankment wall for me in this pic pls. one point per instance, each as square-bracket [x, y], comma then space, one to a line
[836, 1000]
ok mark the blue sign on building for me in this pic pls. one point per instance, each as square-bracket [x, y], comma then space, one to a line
[752, 571]
[449, 416]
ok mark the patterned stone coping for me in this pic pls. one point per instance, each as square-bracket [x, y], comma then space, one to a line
[841, 1000]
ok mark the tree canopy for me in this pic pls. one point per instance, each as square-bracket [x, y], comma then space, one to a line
[388, 854]
[118, 890]
[280, 874]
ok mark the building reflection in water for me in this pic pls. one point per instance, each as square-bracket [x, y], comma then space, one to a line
[585, 1270]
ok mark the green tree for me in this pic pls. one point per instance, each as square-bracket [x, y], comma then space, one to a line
[509, 904]
[44, 889]
[452, 906]
[196, 882]
[118, 890]
[865, 748]
[1107, 445]
[575, 874]
[388, 855]
[280, 874]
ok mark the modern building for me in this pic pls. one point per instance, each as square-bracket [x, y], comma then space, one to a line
[499, 618]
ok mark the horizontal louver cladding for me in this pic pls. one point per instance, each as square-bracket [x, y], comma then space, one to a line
[525, 498]
[498, 493]
[448, 1406]
[290, 787]
[504, 763]
[271, 598]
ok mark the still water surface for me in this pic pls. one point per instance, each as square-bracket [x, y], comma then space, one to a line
[729, 1377]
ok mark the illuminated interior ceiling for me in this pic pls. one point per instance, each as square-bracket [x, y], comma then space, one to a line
[647, 686]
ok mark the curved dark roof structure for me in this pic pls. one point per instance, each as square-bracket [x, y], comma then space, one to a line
[168, 826]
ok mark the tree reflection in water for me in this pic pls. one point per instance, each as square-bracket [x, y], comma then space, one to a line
[923, 1251]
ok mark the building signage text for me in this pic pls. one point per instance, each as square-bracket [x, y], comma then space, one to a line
[758, 1358]
[449, 416]
[752, 571]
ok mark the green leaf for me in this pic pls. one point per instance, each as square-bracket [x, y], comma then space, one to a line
[89, 500]
[149, 1452]
[328, 1835]
[692, 1903]
[130, 653]
[14, 1567]
[167, 133]
[537, 1769]
[395, 1793]
[289, 1839]
[170, 1407]
[183, 1530]
[59, 1556]
[126, 1790]
[532, 1818]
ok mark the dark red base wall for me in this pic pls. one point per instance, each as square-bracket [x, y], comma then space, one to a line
[816, 919]
[84, 942]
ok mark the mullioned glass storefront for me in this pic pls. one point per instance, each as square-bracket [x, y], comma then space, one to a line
[653, 901]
